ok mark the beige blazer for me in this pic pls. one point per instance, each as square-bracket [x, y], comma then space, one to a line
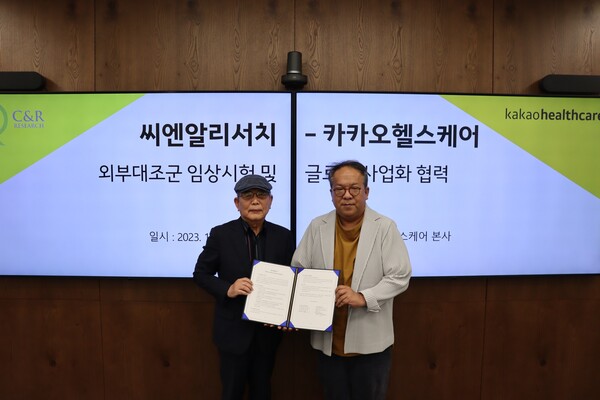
[382, 270]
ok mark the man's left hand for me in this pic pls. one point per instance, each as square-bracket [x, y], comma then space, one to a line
[344, 295]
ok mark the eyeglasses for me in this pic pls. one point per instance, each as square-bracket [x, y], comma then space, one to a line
[250, 195]
[341, 191]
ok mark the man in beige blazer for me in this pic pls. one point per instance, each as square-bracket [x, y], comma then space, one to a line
[355, 358]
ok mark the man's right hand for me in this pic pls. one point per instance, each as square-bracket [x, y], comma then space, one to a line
[241, 287]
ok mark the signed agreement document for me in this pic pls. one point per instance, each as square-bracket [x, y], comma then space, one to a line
[292, 297]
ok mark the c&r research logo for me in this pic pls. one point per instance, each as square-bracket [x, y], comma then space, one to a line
[31, 119]
[21, 119]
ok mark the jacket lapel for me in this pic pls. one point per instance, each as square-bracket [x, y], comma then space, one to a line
[328, 239]
[366, 242]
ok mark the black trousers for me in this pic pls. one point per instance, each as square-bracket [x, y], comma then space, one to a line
[252, 368]
[362, 377]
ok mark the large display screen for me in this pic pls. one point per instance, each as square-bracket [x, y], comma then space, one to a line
[130, 184]
[478, 185]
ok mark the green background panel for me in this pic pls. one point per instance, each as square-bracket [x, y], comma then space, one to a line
[569, 146]
[51, 121]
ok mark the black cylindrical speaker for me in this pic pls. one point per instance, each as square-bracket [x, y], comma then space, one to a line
[294, 62]
[294, 79]
[21, 80]
[571, 84]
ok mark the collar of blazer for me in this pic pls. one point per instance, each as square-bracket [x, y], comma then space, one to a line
[368, 232]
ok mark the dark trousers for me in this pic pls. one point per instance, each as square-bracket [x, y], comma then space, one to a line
[362, 377]
[253, 368]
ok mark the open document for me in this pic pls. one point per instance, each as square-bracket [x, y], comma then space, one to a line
[292, 297]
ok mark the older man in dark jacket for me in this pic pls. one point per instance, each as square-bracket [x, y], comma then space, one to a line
[247, 349]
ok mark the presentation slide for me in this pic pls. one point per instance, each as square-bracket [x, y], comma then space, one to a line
[130, 184]
[478, 185]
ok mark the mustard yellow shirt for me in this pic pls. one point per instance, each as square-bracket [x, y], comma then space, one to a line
[344, 254]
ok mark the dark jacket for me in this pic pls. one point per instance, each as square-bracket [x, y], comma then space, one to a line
[226, 254]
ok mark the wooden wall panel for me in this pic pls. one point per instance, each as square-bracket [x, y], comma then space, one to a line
[536, 38]
[53, 38]
[192, 45]
[157, 339]
[48, 288]
[544, 288]
[542, 338]
[541, 350]
[51, 349]
[382, 45]
[159, 350]
[439, 329]
[158, 290]
[50, 332]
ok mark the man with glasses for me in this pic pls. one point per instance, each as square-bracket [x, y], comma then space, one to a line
[354, 359]
[246, 349]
